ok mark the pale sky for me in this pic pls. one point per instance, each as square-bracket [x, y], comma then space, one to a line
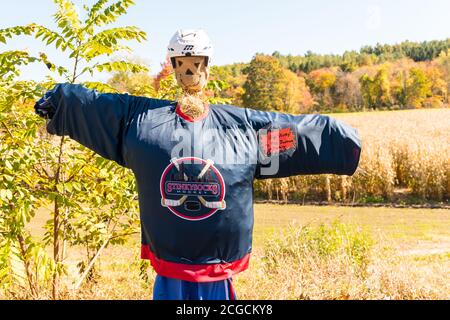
[241, 28]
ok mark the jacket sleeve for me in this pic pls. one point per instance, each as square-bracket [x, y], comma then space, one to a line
[95, 120]
[306, 144]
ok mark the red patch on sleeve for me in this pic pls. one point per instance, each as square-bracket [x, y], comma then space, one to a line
[276, 141]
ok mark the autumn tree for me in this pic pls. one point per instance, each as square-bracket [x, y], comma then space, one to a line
[418, 87]
[322, 82]
[376, 91]
[139, 84]
[234, 77]
[438, 86]
[443, 63]
[166, 71]
[266, 85]
[348, 92]
[295, 93]
[307, 101]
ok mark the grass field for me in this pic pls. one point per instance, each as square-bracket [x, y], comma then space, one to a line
[410, 258]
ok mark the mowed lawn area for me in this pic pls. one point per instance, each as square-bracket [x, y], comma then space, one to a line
[410, 258]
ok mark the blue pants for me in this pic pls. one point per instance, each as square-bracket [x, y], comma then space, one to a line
[174, 289]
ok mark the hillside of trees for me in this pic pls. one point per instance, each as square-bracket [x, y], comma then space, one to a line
[368, 55]
[383, 77]
[406, 75]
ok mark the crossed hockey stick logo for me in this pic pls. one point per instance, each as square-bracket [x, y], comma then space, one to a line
[192, 188]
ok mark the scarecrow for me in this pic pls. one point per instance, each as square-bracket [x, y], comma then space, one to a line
[195, 165]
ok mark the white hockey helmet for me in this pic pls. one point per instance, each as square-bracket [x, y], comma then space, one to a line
[190, 42]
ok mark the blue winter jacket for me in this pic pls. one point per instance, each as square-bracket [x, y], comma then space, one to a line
[195, 176]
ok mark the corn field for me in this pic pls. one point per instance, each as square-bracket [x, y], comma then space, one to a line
[405, 157]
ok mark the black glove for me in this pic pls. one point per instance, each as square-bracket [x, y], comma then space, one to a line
[44, 107]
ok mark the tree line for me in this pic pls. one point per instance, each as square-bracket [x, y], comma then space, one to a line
[408, 75]
[382, 77]
[350, 60]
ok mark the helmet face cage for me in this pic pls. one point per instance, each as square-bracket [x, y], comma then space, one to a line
[172, 60]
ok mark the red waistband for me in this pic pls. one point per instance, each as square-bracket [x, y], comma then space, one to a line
[195, 272]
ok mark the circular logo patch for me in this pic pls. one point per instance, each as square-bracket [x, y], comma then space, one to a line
[192, 188]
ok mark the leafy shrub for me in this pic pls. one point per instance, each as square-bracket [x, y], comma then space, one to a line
[315, 245]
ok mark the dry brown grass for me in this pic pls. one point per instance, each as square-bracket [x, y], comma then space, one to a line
[401, 149]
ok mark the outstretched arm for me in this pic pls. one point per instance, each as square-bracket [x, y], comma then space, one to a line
[306, 144]
[95, 120]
